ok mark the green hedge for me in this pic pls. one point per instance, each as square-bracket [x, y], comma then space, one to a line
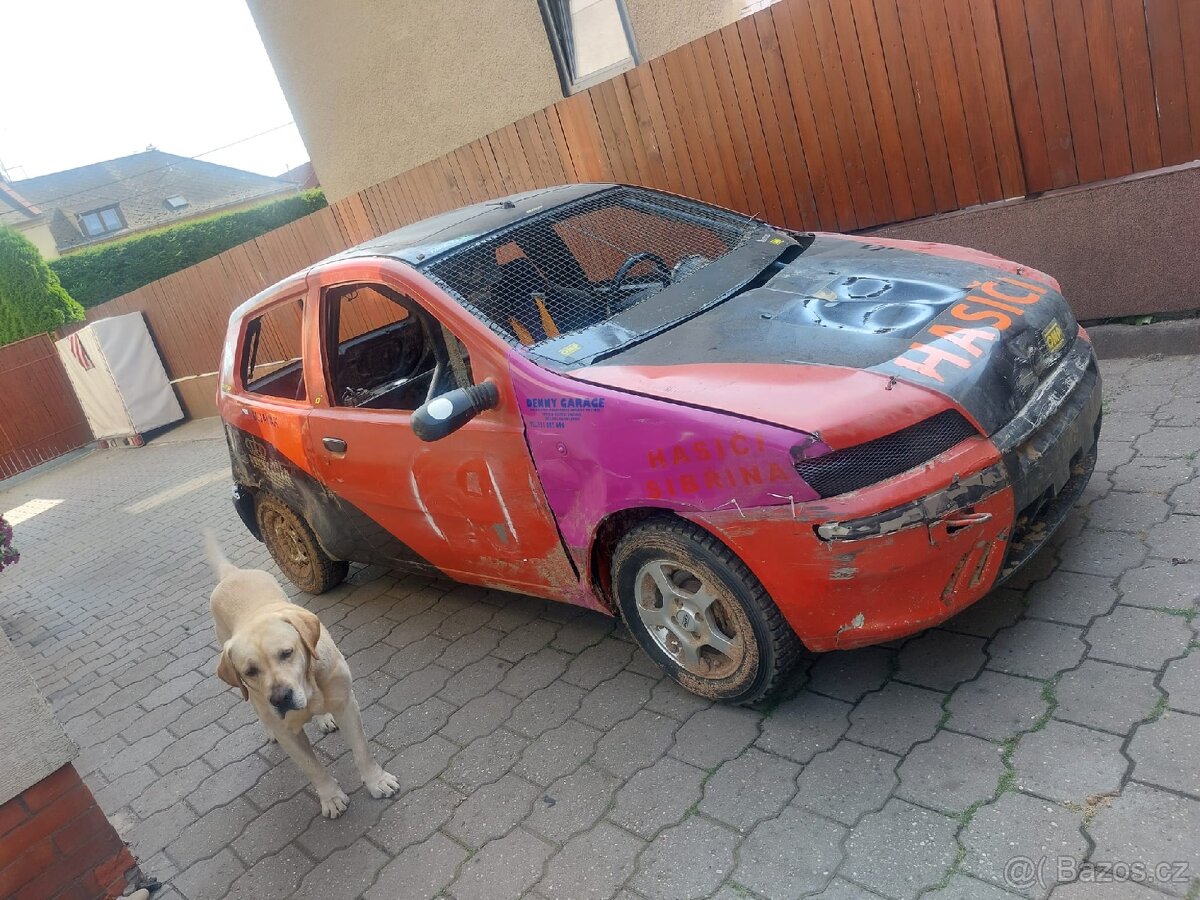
[31, 299]
[102, 273]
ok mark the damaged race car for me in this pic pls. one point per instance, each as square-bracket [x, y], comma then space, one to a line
[738, 438]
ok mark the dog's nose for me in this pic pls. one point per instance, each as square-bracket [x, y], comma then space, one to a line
[282, 699]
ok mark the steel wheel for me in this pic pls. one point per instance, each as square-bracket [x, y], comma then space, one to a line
[295, 549]
[699, 613]
[688, 619]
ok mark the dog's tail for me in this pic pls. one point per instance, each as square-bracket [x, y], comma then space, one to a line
[216, 557]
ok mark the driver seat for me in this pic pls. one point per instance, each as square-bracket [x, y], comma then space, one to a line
[522, 293]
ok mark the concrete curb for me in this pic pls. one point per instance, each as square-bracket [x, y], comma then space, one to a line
[1175, 337]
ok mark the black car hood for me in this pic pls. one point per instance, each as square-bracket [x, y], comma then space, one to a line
[977, 334]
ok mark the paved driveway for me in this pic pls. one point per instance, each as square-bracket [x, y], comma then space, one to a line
[1056, 722]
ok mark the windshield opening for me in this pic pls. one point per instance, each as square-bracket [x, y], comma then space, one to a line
[580, 264]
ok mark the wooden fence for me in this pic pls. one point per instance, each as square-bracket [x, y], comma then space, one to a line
[816, 114]
[39, 415]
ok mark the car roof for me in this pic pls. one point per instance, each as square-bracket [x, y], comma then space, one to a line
[420, 242]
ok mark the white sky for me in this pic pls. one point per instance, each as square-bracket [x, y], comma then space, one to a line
[90, 80]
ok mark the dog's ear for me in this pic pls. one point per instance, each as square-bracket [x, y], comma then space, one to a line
[228, 673]
[308, 625]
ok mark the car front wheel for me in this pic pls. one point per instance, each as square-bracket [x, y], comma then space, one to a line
[295, 548]
[699, 612]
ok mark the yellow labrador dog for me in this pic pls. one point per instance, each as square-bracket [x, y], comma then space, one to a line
[285, 663]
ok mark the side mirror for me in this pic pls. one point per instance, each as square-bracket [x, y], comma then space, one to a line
[452, 410]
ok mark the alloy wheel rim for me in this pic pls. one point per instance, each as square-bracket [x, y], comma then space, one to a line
[688, 618]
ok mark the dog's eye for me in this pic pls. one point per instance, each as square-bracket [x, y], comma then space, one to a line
[250, 672]
[285, 654]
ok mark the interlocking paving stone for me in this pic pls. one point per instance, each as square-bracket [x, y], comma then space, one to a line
[849, 674]
[1182, 683]
[276, 828]
[847, 782]
[582, 631]
[592, 865]
[996, 706]
[1035, 649]
[422, 870]
[635, 743]
[415, 816]
[1107, 553]
[598, 663]
[545, 709]
[1120, 511]
[790, 855]
[1071, 597]
[1102, 695]
[840, 889]
[479, 717]
[746, 790]
[274, 876]
[900, 850]
[688, 860]
[1019, 825]
[416, 688]
[534, 672]
[986, 616]
[149, 836]
[346, 873]
[485, 759]
[208, 834]
[1177, 538]
[1138, 637]
[714, 735]
[474, 680]
[571, 804]
[1149, 473]
[470, 648]
[1151, 826]
[504, 869]
[558, 752]
[1169, 442]
[802, 727]
[416, 764]
[671, 700]
[964, 887]
[1158, 747]
[416, 724]
[941, 659]
[896, 717]
[950, 772]
[209, 879]
[1068, 763]
[1123, 890]
[614, 701]
[1160, 583]
[492, 811]
[658, 796]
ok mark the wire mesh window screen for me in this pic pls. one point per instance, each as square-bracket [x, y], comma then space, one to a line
[582, 263]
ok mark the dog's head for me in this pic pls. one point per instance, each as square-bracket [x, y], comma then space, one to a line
[270, 656]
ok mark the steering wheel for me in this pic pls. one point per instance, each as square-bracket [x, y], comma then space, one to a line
[663, 273]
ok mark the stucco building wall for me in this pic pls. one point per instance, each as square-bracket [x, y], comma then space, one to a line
[380, 86]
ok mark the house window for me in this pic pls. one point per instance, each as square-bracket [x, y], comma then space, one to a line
[591, 40]
[101, 221]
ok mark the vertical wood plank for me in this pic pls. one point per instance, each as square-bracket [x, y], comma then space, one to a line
[1133, 54]
[1164, 29]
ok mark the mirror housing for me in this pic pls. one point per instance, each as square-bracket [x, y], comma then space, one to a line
[445, 414]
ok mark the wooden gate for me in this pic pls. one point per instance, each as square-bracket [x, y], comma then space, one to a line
[39, 415]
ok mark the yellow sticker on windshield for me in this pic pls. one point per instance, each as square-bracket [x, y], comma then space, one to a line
[570, 349]
[776, 240]
[1053, 334]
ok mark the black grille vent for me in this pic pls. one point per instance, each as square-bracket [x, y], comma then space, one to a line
[869, 463]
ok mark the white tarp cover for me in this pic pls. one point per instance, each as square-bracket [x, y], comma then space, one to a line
[119, 377]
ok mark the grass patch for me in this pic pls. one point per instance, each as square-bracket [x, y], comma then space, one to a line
[1160, 707]
[1189, 613]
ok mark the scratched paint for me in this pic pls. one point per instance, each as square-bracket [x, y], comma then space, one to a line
[630, 451]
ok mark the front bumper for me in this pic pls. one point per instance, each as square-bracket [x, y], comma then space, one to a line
[864, 568]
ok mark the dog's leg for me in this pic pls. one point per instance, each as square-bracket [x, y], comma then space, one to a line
[375, 779]
[325, 723]
[333, 799]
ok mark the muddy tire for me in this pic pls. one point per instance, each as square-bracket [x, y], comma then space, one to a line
[295, 548]
[700, 614]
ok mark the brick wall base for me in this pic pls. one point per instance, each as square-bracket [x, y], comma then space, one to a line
[56, 844]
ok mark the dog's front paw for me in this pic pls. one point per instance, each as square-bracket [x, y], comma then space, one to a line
[325, 723]
[270, 735]
[335, 804]
[385, 784]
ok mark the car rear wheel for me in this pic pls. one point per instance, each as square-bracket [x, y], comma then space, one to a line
[295, 548]
[700, 613]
